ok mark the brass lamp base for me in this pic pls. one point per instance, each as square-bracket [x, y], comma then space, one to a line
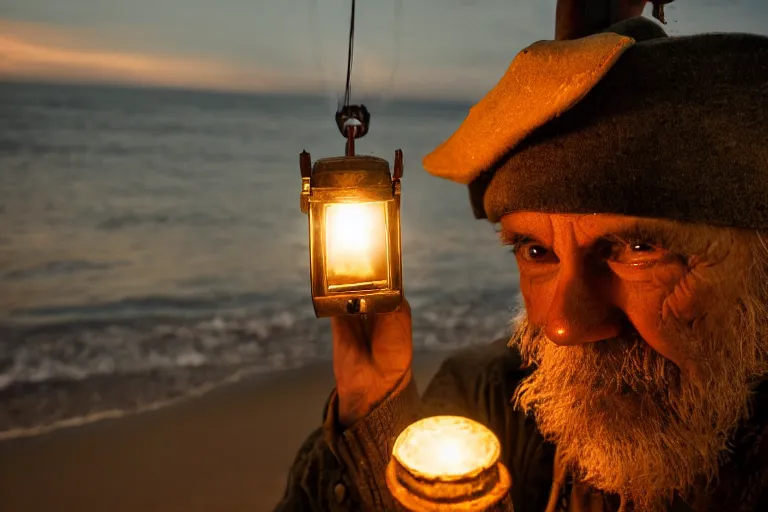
[357, 303]
[475, 493]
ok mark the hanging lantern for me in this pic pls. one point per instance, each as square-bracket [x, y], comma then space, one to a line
[353, 204]
[446, 463]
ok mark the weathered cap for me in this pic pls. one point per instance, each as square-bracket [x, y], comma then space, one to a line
[667, 127]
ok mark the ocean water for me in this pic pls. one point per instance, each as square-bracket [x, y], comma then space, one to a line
[152, 246]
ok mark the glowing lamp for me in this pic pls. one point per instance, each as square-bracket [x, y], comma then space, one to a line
[447, 463]
[353, 204]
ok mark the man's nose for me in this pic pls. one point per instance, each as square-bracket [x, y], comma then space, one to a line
[580, 311]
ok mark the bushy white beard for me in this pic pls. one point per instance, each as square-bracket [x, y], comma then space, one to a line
[627, 421]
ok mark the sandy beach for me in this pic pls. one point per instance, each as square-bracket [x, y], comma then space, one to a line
[227, 451]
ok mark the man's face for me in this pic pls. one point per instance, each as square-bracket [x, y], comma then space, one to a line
[646, 335]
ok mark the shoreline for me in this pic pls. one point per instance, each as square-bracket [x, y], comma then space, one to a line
[240, 376]
[228, 449]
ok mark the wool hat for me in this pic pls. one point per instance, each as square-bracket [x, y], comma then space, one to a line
[628, 122]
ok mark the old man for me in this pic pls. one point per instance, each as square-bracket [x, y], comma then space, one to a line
[628, 171]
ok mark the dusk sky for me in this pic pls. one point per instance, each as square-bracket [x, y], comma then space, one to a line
[446, 48]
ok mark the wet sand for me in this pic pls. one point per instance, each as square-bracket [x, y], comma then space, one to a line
[226, 451]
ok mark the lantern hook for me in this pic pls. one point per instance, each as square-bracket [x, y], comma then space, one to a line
[352, 120]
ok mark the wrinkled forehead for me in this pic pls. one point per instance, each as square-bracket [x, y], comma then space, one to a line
[587, 224]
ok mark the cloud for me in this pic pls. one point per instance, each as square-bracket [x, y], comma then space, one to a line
[34, 51]
[48, 52]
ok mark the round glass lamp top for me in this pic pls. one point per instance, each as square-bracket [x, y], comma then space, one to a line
[446, 448]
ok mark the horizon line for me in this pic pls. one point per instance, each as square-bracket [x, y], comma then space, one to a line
[202, 89]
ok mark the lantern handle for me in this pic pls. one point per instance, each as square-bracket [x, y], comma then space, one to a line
[305, 164]
[352, 120]
[397, 172]
[353, 116]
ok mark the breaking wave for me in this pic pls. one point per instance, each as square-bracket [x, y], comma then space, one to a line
[66, 374]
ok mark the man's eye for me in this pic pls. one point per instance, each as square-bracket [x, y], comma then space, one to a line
[531, 252]
[642, 247]
[536, 252]
[636, 254]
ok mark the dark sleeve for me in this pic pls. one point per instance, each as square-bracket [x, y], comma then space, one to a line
[299, 496]
[343, 470]
[357, 457]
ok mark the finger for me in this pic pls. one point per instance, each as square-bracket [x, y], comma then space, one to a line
[367, 326]
[348, 333]
[356, 332]
[392, 335]
[396, 323]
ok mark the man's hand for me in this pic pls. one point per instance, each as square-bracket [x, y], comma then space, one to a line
[371, 354]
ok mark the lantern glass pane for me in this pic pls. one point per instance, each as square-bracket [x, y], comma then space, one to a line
[356, 246]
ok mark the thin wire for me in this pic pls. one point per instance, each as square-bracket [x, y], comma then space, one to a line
[348, 88]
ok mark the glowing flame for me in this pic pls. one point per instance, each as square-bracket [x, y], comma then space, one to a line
[355, 242]
[446, 448]
[349, 227]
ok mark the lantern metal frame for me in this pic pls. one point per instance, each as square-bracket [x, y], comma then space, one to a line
[352, 179]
